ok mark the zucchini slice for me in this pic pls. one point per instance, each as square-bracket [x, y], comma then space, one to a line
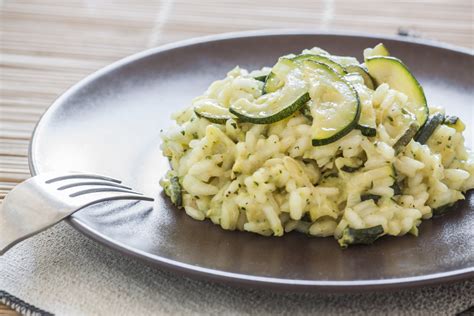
[278, 105]
[175, 192]
[392, 71]
[351, 169]
[261, 78]
[212, 111]
[405, 138]
[172, 189]
[363, 73]
[426, 131]
[344, 60]
[369, 196]
[366, 130]
[267, 113]
[306, 111]
[275, 79]
[349, 165]
[260, 74]
[454, 122]
[321, 59]
[335, 107]
[351, 236]
[396, 188]
[272, 83]
[378, 50]
[367, 124]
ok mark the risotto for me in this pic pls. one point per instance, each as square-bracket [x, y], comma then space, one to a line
[319, 144]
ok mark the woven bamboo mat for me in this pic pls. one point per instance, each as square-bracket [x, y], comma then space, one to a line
[48, 45]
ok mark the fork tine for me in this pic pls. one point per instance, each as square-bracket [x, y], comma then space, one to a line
[89, 199]
[82, 176]
[103, 183]
[129, 197]
[104, 189]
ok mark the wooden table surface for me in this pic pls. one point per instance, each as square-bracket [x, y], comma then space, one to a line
[48, 45]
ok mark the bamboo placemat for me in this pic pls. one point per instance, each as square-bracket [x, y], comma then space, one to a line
[48, 45]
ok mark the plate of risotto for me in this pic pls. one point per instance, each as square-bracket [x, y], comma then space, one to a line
[290, 160]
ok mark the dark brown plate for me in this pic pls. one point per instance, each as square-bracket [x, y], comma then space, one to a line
[109, 123]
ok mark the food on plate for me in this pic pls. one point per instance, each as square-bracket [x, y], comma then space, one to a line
[320, 144]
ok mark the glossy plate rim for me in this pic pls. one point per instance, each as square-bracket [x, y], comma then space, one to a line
[235, 278]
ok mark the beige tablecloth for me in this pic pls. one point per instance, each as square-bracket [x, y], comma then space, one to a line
[66, 273]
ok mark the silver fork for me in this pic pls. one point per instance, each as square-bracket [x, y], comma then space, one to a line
[44, 200]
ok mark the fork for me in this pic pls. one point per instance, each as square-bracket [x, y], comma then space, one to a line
[42, 201]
